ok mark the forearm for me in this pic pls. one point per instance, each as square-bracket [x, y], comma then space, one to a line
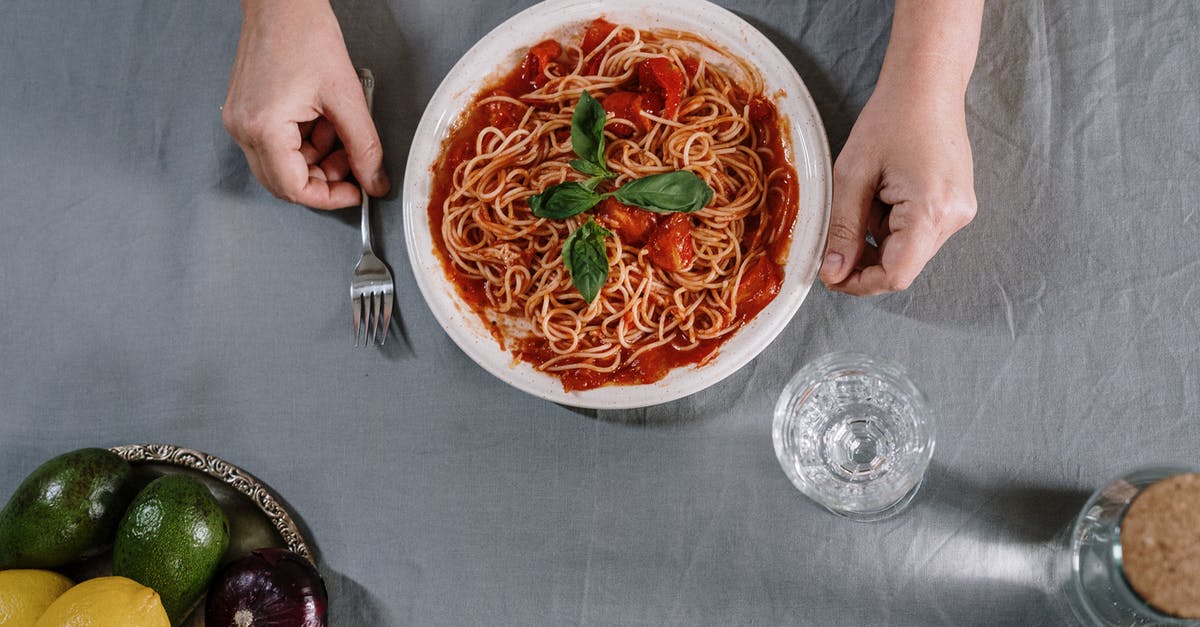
[255, 4]
[933, 45]
[278, 8]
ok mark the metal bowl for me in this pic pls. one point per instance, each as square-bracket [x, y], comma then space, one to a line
[257, 516]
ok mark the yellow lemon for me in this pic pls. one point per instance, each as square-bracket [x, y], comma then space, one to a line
[106, 602]
[25, 594]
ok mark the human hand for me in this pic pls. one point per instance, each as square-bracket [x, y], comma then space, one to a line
[293, 95]
[904, 178]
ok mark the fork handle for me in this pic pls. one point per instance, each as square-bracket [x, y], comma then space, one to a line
[366, 222]
[368, 85]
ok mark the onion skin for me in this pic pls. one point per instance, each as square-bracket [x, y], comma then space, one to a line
[268, 588]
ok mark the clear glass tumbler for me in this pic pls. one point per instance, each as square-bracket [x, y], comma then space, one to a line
[854, 434]
[1096, 587]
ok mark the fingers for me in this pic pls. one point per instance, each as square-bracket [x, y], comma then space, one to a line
[913, 232]
[878, 224]
[347, 111]
[282, 168]
[325, 193]
[335, 167]
[854, 190]
[278, 159]
[319, 141]
[897, 262]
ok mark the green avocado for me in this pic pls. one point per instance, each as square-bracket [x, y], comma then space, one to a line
[172, 539]
[65, 510]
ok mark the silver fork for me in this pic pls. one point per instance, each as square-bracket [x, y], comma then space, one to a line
[372, 289]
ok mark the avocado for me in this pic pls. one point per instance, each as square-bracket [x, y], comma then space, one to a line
[172, 539]
[65, 510]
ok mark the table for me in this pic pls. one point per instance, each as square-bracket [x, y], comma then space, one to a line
[1057, 336]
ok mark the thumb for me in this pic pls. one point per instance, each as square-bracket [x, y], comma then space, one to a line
[350, 118]
[853, 191]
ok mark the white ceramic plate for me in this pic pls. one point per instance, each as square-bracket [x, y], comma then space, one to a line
[500, 51]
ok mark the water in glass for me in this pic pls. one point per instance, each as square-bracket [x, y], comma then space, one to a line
[855, 434]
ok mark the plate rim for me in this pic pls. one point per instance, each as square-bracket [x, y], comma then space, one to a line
[811, 157]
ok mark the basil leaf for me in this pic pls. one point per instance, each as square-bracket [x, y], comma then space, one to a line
[585, 258]
[673, 192]
[587, 131]
[591, 169]
[563, 200]
[593, 183]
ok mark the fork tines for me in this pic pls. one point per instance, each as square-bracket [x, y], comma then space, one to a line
[372, 317]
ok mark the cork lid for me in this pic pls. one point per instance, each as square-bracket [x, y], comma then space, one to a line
[1160, 545]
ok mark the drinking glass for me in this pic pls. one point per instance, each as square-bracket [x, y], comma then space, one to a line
[854, 434]
[1096, 587]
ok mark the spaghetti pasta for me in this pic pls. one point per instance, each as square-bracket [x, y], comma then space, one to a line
[678, 284]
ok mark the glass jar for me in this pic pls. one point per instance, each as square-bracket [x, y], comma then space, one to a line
[1096, 587]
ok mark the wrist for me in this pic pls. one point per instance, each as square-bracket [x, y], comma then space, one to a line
[933, 46]
[271, 6]
[924, 75]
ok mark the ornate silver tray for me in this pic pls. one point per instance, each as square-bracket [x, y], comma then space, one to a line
[223, 478]
[257, 516]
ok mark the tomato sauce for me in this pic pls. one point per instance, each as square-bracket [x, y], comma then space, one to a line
[460, 147]
[761, 281]
[649, 367]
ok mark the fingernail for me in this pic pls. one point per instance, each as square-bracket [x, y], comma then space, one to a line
[833, 265]
[380, 182]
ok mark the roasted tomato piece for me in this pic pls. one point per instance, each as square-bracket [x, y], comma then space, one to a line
[546, 51]
[760, 283]
[652, 102]
[761, 110]
[627, 105]
[596, 33]
[533, 69]
[670, 243]
[660, 76]
[631, 224]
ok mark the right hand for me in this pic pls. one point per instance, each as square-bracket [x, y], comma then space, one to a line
[906, 178]
[292, 95]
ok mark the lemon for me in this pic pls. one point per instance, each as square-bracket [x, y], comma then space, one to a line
[25, 594]
[106, 602]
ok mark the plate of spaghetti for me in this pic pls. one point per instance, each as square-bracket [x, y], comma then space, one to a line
[615, 204]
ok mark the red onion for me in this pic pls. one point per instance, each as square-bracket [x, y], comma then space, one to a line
[268, 588]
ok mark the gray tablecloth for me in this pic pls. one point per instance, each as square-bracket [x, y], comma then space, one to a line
[151, 291]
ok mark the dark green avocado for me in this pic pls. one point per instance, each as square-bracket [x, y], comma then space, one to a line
[172, 539]
[65, 510]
